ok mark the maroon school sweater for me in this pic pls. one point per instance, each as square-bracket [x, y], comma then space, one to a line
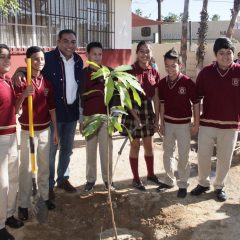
[93, 103]
[148, 78]
[221, 96]
[7, 107]
[42, 104]
[178, 99]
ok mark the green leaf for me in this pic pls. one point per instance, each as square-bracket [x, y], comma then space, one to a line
[88, 120]
[96, 74]
[133, 82]
[103, 71]
[9, 6]
[124, 95]
[110, 127]
[116, 124]
[123, 68]
[92, 127]
[121, 78]
[118, 109]
[118, 88]
[136, 96]
[93, 64]
[92, 123]
[106, 72]
[108, 90]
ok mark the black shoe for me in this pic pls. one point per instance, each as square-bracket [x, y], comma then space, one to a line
[50, 205]
[221, 195]
[23, 213]
[67, 186]
[163, 187]
[89, 186]
[154, 179]
[13, 222]
[112, 187]
[138, 185]
[198, 190]
[182, 193]
[5, 235]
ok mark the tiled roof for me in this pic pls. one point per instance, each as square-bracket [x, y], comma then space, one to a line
[138, 21]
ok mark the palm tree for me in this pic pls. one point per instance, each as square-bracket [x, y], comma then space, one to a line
[202, 33]
[184, 35]
[234, 11]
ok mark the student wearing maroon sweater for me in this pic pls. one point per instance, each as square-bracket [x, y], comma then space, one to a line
[143, 121]
[8, 149]
[43, 113]
[178, 95]
[219, 87]
[93, 103]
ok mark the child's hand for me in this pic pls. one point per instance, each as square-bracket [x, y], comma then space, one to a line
[194, 130]
[138, 123]
[18, 79]
[55, 138]
[28, 91]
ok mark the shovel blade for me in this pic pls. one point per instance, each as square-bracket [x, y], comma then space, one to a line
[39, 208]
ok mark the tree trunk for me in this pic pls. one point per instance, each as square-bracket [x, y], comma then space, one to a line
[184, 36]
[202, 33]
[234, 11]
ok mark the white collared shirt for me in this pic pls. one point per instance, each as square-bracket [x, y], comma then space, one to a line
[71, 84]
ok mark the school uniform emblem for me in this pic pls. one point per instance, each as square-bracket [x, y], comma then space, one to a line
[182, 90]
[235, 82]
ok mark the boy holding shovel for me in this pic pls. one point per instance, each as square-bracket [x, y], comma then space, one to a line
[43, 113]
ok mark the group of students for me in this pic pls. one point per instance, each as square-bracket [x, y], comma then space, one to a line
[167, 106]
[218, 87]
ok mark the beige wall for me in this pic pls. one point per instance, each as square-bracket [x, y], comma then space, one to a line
[174, 31]
[160, 49]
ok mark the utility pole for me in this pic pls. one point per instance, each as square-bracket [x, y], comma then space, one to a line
[160, 20]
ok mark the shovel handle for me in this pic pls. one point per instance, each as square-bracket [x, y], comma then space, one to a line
[30, 117]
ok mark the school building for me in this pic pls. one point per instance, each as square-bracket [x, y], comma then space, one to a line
[39, 21]
[146, 29]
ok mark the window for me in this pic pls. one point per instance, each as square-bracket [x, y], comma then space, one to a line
[146, 32]
[39, 22]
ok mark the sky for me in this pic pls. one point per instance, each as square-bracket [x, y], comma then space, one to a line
[220, 7]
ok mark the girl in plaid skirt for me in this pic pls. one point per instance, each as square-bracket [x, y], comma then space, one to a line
[142, 121]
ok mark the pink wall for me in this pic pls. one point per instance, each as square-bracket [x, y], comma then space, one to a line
[111, 58]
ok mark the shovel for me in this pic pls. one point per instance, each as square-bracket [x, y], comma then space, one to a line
[39, 207]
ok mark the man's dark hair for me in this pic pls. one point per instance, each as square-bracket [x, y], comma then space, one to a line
[66, 31]
[4, 46]
[173, 54]
[93, 45]
[34, 49]
[223, 42]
